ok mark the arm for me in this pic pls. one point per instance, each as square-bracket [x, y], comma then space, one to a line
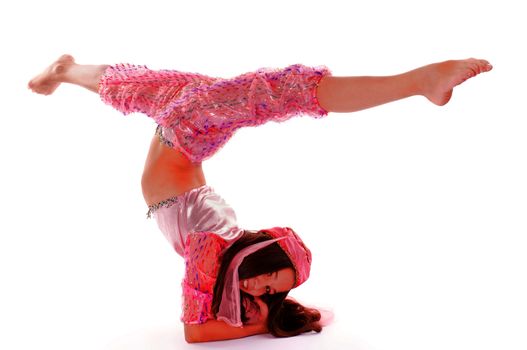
[214, 330]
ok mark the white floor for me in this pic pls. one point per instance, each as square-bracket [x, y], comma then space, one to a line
[416, 215]
[171, 338]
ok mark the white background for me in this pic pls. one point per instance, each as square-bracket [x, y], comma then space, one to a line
[416, 214]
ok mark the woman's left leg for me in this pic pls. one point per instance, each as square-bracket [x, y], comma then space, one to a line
[434, 81]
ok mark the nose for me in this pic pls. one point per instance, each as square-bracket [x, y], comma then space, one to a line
[258, 285]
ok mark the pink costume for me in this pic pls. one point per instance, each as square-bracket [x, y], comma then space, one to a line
[199, 225]
[197, 115]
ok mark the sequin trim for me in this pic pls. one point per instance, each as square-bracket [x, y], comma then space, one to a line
[162, 139]
[163, 204]
[322, 73]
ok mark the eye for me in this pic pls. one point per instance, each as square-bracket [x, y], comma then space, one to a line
[267, 290]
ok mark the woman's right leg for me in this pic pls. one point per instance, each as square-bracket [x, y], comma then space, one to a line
[128, 88]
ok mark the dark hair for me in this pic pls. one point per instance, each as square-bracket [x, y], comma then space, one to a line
[286, 317]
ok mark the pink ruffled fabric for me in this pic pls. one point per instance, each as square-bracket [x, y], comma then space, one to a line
[201, 270]
[199, 114]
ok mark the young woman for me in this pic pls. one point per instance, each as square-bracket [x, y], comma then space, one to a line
[236, 281]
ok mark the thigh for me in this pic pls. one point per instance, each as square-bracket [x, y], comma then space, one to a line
[168, 173]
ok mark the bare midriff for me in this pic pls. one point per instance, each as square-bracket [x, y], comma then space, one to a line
[168, 173]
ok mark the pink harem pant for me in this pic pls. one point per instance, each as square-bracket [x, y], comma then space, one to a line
[198, 114]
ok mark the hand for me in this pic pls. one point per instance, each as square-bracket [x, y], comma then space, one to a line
[264, 312]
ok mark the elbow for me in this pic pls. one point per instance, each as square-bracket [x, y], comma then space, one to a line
[190, 340]
[191, 335]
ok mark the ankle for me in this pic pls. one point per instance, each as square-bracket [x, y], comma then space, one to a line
[62, 71]
[411, 83]
[419, 79]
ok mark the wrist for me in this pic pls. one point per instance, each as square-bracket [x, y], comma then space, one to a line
[263, 327]
[257, 328]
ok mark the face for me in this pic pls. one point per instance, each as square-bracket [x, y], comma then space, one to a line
[270, 283]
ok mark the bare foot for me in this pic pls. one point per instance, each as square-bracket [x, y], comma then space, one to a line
[441, 78]
[46, 82]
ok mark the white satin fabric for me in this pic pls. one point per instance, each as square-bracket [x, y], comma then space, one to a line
[198, 210]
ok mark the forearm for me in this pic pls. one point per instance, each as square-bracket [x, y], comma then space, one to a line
[214, 330]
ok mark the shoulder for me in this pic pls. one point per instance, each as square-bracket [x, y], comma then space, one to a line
[203, 241]
[202, 262]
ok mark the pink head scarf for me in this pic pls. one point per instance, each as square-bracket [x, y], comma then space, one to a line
[292, 245]
[296, 250]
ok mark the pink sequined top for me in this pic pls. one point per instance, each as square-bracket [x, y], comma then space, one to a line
[199, 225]
[201, 270]
[198, 114]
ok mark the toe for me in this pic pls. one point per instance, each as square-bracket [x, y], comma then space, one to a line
[484, 65]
